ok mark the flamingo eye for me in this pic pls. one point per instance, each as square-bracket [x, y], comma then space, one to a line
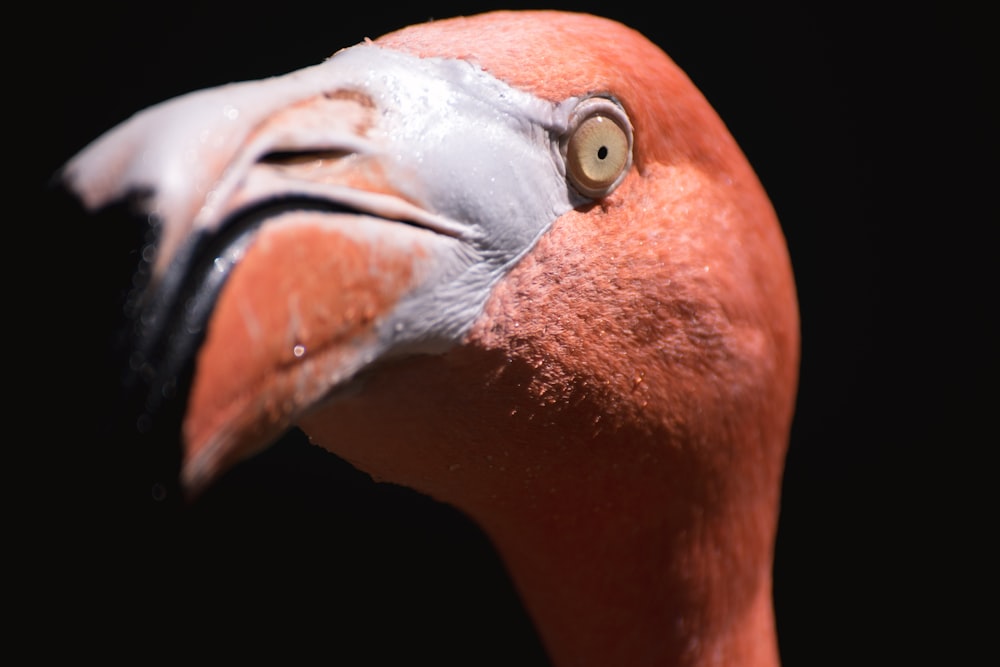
[598, 147]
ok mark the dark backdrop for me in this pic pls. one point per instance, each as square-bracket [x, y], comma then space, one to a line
[870, 128]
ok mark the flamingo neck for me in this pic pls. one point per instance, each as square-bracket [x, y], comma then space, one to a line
[632, 565]
[630, 545]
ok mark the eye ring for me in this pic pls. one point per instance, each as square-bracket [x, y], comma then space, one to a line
[597, 147]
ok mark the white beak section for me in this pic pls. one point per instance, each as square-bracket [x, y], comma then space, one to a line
[394, 192]
[443, 128]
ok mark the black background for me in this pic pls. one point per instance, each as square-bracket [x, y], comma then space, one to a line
[871, 129]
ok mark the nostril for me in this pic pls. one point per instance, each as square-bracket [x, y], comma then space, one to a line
[292, 158]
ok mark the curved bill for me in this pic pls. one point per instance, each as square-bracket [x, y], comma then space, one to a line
[317, 223]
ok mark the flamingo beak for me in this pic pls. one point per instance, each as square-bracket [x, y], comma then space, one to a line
[308, 227]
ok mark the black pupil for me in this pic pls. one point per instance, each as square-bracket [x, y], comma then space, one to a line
[602, 152]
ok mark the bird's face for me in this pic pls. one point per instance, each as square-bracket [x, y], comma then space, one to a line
[411, 219]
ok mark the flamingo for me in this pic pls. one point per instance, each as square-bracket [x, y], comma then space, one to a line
[514, 261]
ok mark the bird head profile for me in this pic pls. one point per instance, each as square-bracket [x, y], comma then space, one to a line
[514, 261]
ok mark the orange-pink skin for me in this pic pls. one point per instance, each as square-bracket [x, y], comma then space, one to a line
[617, 418]
[306, 297]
